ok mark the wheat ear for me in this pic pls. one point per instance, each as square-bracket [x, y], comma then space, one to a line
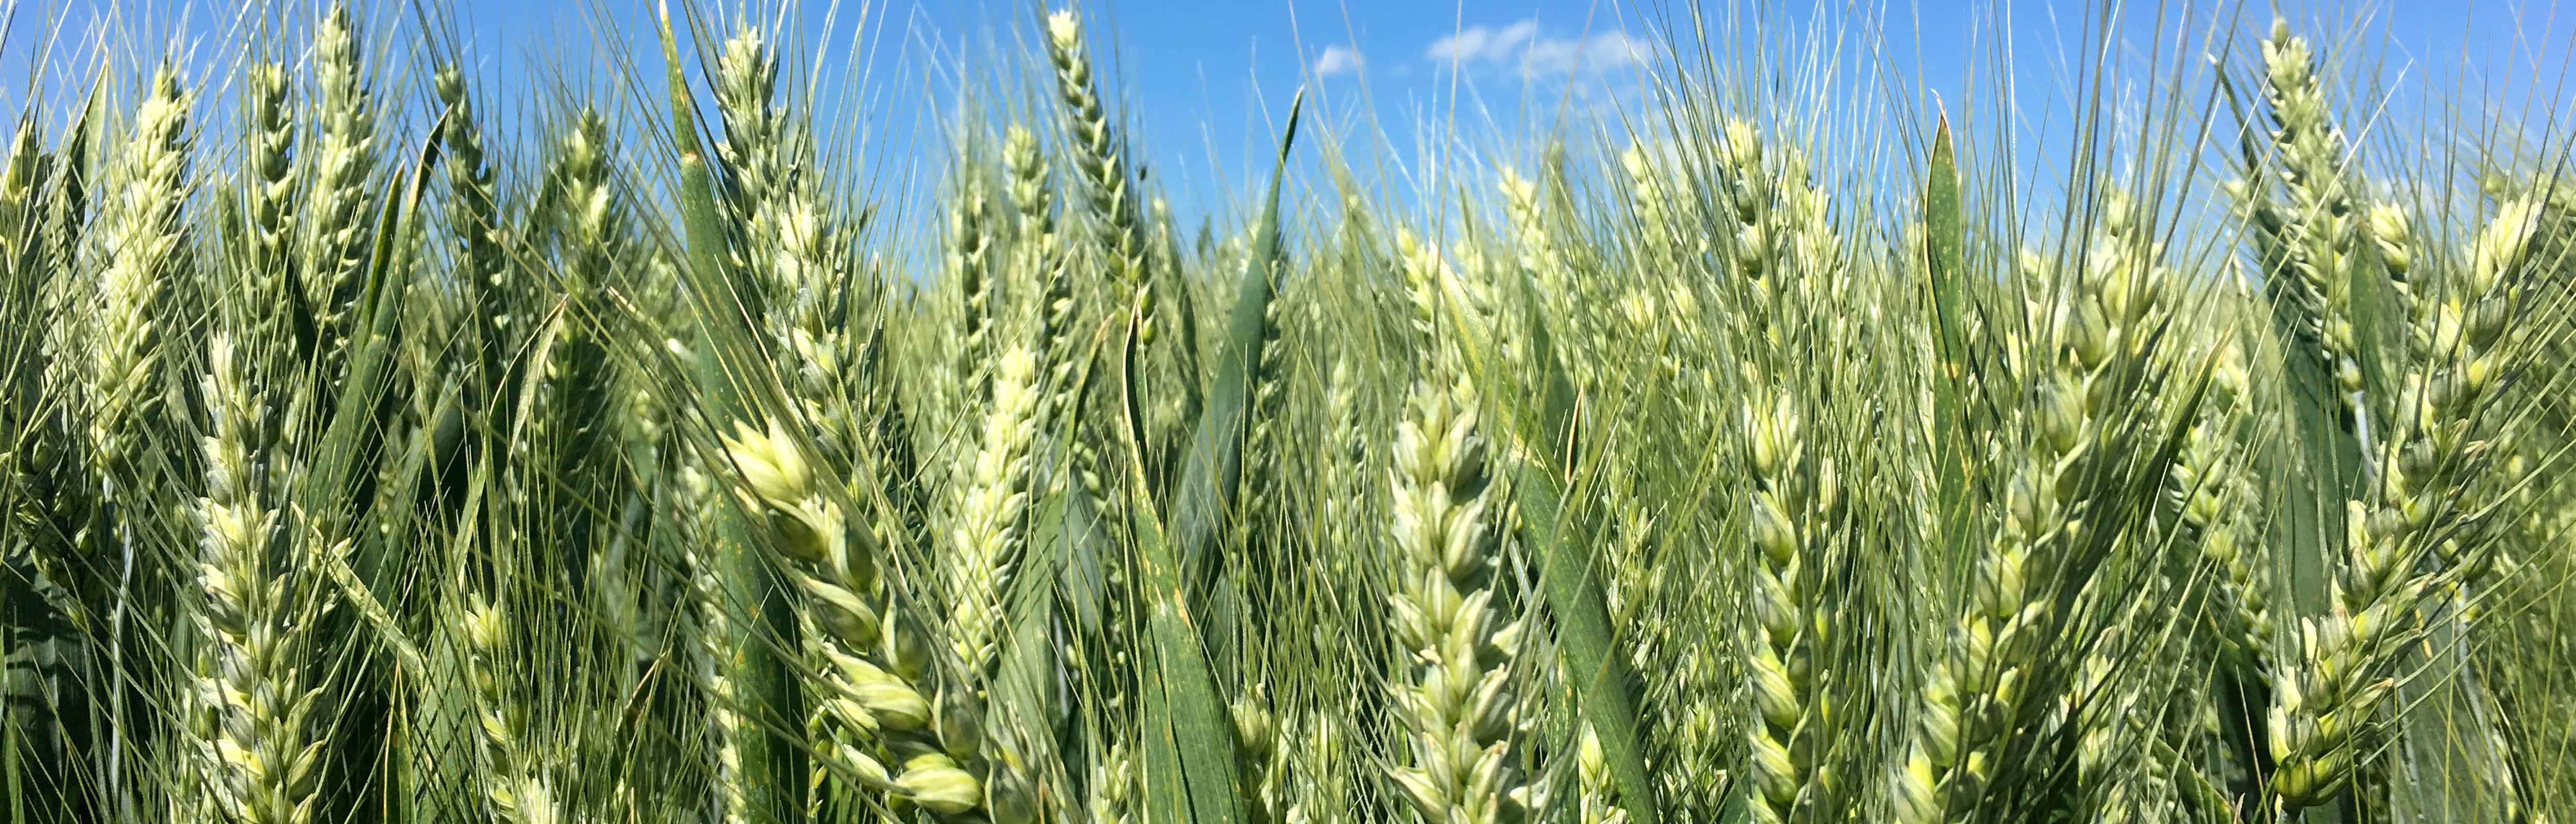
[2328, 694]
[1101, 162]
[262, 746]
[1979, 694]
[137, 243]
[344, 156]
[2311, 230]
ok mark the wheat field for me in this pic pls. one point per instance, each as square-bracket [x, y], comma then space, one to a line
[1769, 451]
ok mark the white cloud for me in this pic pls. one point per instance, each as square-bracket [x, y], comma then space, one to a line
[1339, 60]
[1522, 47]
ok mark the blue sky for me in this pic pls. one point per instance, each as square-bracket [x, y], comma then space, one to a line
[1204, 83]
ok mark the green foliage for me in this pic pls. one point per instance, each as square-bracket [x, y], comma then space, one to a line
[666, 465]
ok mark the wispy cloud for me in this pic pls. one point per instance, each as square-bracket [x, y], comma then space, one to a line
[1339, 60]
[1524, 48]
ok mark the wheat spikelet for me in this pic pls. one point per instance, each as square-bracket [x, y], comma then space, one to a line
[842, 616]
[875, 711]
[1652, 203]
[1256, 746]
[1320, 791]
[474, 221]
[20, 174]
[1043, 253]
[1112, 786]
[746, 81]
